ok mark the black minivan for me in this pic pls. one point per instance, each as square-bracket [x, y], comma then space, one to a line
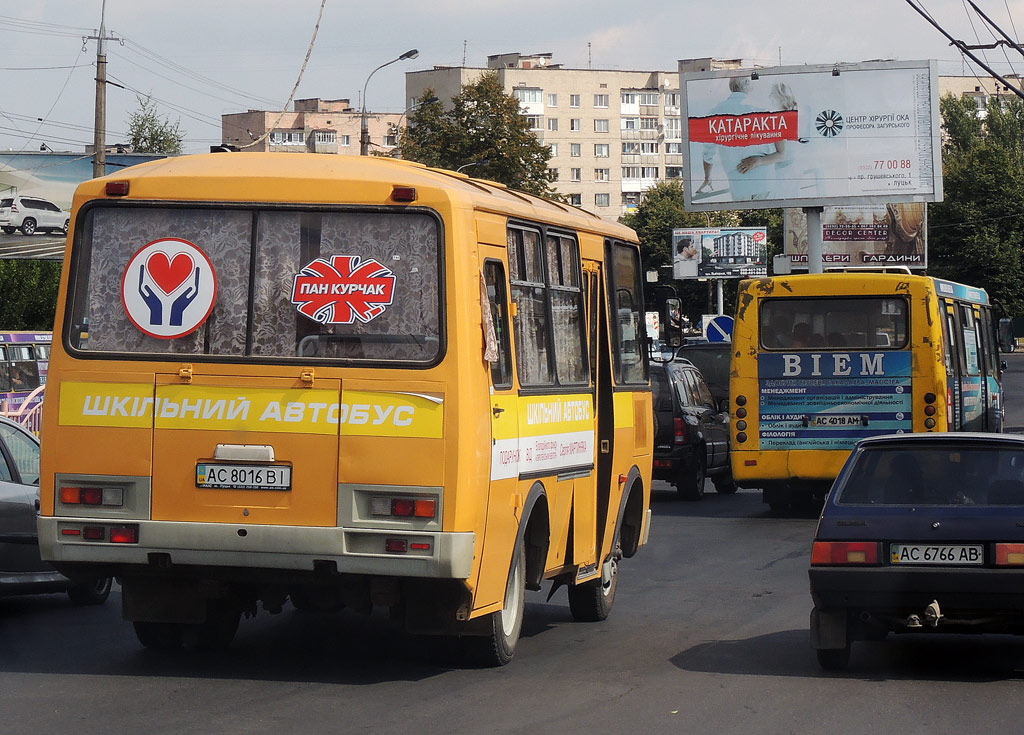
[691, 431]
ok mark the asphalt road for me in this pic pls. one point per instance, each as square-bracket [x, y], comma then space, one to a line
[708, 635]
[42, 245]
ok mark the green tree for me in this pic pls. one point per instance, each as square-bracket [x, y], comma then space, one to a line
[30, 294]
[663, 210]
[974, 235]
[149, 133]
[482, 126]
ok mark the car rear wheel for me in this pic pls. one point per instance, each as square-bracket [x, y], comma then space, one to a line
[95, 592]
[67, 225]
[690, 486]
[28, 226]
[9, 230]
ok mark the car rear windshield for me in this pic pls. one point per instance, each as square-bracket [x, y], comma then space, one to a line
[871, 322]
[935, 475]
[263, 310]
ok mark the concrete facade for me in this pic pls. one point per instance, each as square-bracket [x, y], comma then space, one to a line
[613, 133]
[314, 126]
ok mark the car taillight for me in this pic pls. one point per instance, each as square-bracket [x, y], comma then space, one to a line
[1009, 555]
[827, 553]
[679, 434]
[14, 208]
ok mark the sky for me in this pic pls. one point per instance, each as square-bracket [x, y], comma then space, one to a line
[200, 59]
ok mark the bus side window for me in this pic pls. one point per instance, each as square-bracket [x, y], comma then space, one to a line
[970, 334]
[497, 298]
[530, 316]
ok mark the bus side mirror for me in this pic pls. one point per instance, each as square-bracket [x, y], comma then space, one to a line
[671, 318]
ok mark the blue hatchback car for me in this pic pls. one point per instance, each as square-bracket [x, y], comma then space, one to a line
[921, 533]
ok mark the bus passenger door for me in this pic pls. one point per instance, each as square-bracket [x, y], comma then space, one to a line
[954, 369]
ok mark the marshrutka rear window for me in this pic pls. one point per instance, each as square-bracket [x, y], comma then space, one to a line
[935, 475]
[224, 282]
[834, 323]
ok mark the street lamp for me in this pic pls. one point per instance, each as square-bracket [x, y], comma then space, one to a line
[364, 130]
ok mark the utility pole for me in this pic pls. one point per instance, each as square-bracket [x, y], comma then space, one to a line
[99, 157]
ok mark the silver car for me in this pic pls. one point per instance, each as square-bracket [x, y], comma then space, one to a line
[22, 571]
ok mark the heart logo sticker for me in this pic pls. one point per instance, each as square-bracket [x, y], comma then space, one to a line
[169, 288]
[169, 273]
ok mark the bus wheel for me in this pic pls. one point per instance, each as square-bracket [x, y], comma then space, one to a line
[160, 636]
[95, 592]
[591, 602]
[218, 630]
[497, 647]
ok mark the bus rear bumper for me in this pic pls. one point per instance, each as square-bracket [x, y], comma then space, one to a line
[435, 555]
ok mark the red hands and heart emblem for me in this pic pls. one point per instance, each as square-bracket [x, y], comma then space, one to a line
[169, 273]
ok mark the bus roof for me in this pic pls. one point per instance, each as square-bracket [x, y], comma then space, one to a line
[815, 282]
[313, 178]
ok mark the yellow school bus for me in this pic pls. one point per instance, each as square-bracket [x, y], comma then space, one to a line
[347, 382]
[821, 361]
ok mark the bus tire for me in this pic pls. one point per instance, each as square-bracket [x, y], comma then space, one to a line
[591, 602]
[498, 645]
[218, 630]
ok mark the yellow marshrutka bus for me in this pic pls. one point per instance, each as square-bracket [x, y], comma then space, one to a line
[348, 382]
[821, 361]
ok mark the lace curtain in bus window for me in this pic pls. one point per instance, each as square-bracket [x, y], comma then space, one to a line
[407, 243]
[567, 310]
[114, 235]
[530, 318]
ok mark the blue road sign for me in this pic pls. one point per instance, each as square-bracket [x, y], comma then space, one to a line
[720, 329]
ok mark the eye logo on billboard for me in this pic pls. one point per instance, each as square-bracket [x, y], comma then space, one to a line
[829, 123]
[169, 288]
[343, 290]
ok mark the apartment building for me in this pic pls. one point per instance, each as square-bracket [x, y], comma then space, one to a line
[613, 134]
[314, 126]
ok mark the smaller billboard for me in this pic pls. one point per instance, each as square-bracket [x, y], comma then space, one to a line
[866, 236]
[719, 252]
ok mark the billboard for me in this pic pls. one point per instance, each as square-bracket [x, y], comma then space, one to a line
[55, 176]
[812, 136]
[719, 252]
[863, 236]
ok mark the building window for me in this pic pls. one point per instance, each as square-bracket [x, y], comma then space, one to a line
[602, 200]
[630, 198]
[391, 140]
[674, 149]
[630, 148]
[575, 124]
[602, 174]
[649, 172]
[574, 150]
[552, 174]
[601, 150]
[536, 122]
[552, 100]
[345, 140]
[554, 149]
[630, 123]
[649, 123]
[631, 172]
[649, 148]
[574, 100]
[326, 136]
[288, 137]
[575, 174]
[600, 100]
[673, 172]
[649, 98]
[576, 200]
[526, 95]
[553, 123]
[671, 99]
[629, 98]
[600, 126]
[673, 127]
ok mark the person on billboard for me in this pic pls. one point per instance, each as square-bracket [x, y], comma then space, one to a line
[741, 163]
